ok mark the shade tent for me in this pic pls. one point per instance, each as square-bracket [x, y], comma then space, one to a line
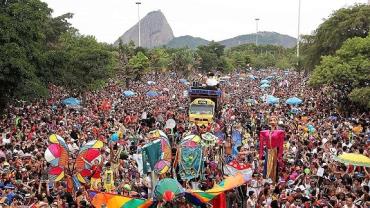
[152, 93]
[293, 101]
[128, 93]
[71, 101]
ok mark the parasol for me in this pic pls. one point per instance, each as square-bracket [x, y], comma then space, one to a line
[71, 101]
[353, 159]
[128, 93]
[264, 81]
[152, 93]
[265, 86]
[293, 101]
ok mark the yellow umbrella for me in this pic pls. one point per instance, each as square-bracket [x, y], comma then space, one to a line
[353, 159]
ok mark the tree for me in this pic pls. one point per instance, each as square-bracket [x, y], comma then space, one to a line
[138, 64]
[21, 44]
[159, 60]
[348, 68]
[182, 60]
[327, 39]
[209, 56]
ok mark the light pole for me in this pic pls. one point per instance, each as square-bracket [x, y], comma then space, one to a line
[138, 15]
[257, 19]
[299, 24]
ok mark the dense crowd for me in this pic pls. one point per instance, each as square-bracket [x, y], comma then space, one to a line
[309, 176]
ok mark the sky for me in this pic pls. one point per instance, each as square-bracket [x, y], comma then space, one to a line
[210, 19]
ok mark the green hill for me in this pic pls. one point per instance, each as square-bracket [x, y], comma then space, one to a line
[264, 38]
[186, 41]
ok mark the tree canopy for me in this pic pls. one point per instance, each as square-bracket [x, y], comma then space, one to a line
[329, 36]
[37, 49]
[348, 68]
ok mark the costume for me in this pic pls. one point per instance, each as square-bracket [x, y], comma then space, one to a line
[271, 146]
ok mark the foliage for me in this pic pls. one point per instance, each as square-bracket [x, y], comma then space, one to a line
[349, 67]
[343, 24]
[138, 64]
[37, 49]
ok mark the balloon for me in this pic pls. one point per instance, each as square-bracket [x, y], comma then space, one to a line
[127, 187]
[168, 196]
[307, 171]
[114, 137]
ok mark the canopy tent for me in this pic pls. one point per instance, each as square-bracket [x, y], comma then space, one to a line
[128, 93]
[293, 101]
[71, 101]
[152, 93]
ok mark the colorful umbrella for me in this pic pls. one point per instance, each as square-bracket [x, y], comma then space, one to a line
[167, 184]
[293, 101]
[353, 159]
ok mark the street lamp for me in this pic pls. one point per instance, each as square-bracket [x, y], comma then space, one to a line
[299, 24]
[257, 19]
[138, 15]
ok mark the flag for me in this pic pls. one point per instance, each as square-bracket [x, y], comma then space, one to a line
[151, 154]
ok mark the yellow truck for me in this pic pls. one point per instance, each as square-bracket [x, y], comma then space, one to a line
[204, 104]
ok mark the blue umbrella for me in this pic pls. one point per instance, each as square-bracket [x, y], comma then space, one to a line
[272, 100]
[264, 86]
[269, 77]
[293, 101]
[128, 93]
[183, 81]
[265, 81]
[151, 83]
[71, 101]
[152, 93]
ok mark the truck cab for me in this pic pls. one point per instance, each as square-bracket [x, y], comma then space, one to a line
[205, 102]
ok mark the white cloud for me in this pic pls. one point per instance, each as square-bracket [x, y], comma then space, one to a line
[209, 19]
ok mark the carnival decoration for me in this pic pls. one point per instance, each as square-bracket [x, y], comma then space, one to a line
[62, 166]
[190, 157]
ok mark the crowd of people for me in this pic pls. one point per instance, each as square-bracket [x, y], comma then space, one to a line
[315, 133]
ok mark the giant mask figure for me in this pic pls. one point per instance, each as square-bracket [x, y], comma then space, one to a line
[271, 146]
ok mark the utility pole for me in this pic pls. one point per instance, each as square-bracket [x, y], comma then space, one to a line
[257, 19]
[299, 25]
[138, 15]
